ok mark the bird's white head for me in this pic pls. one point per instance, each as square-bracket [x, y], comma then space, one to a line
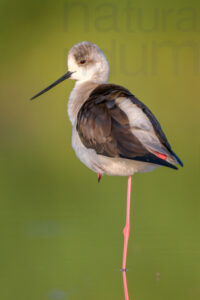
[87, 62]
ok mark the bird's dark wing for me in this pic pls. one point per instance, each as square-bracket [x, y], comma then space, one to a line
[103, 126]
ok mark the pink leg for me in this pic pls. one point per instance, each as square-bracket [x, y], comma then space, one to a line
[126, 237]
[99, 177]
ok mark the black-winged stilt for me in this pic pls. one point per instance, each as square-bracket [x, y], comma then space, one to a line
[113, 132]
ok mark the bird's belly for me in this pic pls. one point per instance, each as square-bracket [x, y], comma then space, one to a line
[113, 166]
[116, 166]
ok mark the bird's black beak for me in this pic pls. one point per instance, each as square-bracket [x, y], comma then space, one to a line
[65, 76]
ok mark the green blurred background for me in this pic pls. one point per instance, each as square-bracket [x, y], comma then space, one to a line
[61, 232]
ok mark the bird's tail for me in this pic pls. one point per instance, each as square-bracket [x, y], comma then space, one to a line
[177, 159]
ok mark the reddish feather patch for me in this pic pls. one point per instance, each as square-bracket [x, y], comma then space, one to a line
[160, 155]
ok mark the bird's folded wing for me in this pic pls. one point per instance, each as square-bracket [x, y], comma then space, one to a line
[115, 124]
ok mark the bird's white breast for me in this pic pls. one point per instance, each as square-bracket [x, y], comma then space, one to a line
[78, 96]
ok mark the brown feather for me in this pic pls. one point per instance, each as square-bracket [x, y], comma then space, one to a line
[104, 127]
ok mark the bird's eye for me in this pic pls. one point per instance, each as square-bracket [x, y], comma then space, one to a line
[83, 61]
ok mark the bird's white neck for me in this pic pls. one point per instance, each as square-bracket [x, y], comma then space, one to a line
[78, 96]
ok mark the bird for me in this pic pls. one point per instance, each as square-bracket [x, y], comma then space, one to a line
[113, 132]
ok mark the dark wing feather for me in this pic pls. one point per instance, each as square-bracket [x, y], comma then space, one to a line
[104, 127]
